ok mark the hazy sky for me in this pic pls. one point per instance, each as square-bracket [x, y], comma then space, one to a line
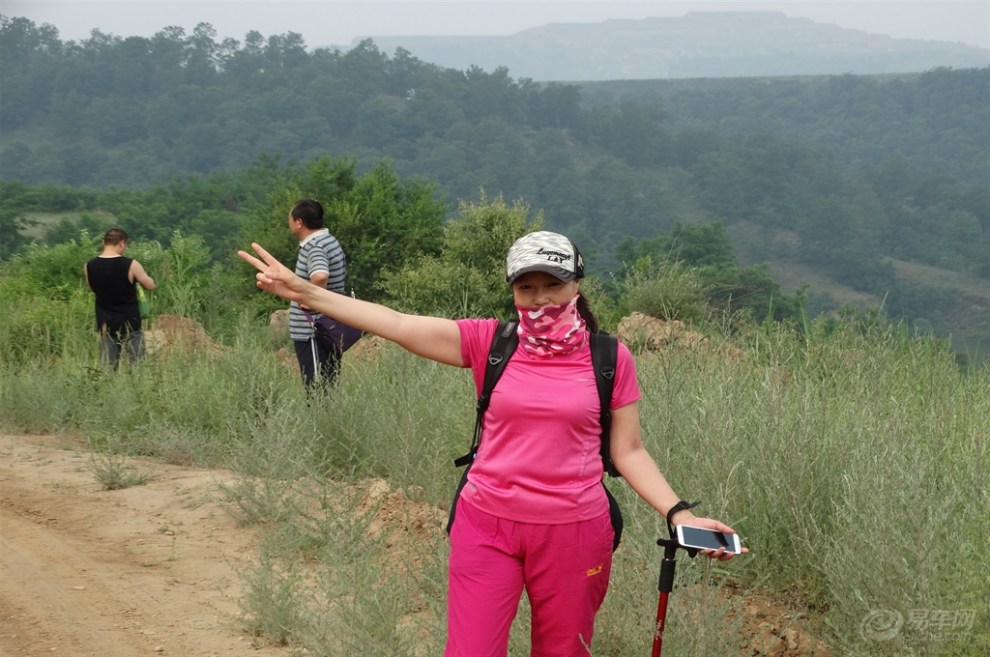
[329, 22]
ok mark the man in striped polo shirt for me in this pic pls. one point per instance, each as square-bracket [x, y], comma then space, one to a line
[321, 261]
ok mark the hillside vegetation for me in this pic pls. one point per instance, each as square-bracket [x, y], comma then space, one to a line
[842, 176]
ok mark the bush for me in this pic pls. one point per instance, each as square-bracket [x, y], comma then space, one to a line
[468, 278]
[670, 290]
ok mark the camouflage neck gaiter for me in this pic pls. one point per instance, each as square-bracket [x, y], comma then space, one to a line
[552, 330]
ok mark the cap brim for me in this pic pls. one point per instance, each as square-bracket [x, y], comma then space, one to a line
[562, 274]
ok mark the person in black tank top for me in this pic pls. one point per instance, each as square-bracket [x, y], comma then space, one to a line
[112, 277]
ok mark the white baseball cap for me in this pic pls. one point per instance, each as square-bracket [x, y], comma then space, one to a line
[547, 252]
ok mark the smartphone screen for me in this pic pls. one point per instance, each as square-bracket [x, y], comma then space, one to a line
[707, 539]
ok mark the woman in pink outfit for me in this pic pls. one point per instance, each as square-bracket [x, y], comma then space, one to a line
[533, 515]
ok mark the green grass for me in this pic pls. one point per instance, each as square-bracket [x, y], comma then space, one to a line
[852, 461]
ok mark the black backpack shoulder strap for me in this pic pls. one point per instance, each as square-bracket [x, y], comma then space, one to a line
[503, 345]
[604, 356]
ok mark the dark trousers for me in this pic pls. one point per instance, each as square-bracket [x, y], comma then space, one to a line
[319, 365]
[114, 345]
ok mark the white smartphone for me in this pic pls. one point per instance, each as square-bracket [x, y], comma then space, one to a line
[707, 539]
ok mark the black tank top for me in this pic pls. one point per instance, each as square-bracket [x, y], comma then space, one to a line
[116, 297]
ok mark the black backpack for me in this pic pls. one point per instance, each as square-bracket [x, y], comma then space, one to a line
[604, 354]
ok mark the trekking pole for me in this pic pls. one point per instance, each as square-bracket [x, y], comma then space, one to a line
[668, 566]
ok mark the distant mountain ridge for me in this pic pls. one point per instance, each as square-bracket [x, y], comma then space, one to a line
[698, 44]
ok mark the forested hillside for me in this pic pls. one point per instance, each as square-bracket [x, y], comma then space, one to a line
[862, 187]
[928, 121]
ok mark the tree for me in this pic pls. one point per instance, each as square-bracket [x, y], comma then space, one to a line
[12, 219]
[713, 274]
[381, 222]
[384, 223]
[467, 277]
[30, 57]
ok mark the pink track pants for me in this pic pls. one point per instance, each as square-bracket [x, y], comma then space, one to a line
[564, 569]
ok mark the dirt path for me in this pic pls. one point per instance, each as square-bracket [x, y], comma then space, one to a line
[90, 573]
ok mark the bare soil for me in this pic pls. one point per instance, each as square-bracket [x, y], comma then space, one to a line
[86, 572]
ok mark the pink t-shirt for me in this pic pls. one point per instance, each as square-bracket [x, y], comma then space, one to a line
[539, 460]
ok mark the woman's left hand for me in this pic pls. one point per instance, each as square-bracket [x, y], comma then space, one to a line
[711, 523]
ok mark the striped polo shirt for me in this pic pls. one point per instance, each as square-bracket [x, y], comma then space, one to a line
[320, 251]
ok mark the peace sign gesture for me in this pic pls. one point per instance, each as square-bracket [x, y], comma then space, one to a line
[273, 276]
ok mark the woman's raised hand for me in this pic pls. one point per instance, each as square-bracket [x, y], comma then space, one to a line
[273, 276]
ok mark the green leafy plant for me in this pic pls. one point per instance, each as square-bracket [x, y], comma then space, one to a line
[467, 279]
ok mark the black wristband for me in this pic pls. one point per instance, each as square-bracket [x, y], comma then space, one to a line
[680, 506]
